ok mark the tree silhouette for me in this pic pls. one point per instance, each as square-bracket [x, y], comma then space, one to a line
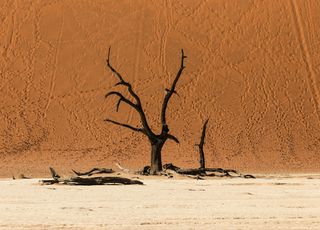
[157, 141]
[201, 144]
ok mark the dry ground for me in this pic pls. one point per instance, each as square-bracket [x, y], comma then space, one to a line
[266, 203]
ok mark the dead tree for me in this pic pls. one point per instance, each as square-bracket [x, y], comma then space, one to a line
[202, 170]
[156, 140]
[201, 144]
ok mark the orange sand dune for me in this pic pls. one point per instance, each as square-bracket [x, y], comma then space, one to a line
[253, 67]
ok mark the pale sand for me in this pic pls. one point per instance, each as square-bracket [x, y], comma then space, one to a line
[265, 203]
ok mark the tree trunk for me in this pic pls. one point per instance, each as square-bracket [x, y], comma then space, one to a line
[156, 162]
[202, 160]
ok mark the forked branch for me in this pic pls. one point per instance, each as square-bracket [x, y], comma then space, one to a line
[156, 140]
[137, 106]
[121, 80]
[170, 92]
[121, 98]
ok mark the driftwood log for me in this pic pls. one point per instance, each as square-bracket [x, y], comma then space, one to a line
[56, 179]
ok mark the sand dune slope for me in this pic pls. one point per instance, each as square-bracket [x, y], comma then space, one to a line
[253, 67]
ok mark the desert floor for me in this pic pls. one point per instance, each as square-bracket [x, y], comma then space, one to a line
[273, 202]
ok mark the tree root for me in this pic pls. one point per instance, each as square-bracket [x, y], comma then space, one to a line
[56, 179]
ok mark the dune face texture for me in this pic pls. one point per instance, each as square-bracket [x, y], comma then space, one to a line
[253, 67]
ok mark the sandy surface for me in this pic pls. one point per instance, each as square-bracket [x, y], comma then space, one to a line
[265, 203]
[252, 66]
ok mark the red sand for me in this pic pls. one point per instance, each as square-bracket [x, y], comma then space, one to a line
[253, 67]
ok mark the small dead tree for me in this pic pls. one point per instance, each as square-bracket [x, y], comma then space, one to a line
[202, 170]
[157, 141]
[201, 144]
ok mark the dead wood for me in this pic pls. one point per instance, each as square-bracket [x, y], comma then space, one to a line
[248, 176]
[56, 179]
[195, 177]
[201, 144]
[145, 170]
[202, 170]
[100, 181]
[54, 174]
[156, 140]
[218, 172]
[93, 171]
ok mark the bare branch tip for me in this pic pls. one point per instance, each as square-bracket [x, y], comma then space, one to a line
[109, 51]
[118, 105]
[182, 54]
[108, 94]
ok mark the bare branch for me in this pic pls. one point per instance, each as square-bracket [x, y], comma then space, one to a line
[165, 128]
[121, 98]
[203, 134]
[112, 69]
[171, 137]
[118, 104]
[125, 125]
[137, 105]
[121, 80]
[93, 171]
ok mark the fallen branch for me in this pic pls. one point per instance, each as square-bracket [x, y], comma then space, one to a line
[219, 172]
[100, 181]
[93, 171]
[88, 180]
